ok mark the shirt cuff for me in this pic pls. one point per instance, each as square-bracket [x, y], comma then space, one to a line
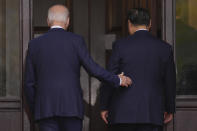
[120, 81]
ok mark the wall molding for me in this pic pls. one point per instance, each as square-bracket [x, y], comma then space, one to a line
[7, 104]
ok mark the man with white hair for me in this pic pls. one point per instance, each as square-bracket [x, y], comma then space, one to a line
[52, 75]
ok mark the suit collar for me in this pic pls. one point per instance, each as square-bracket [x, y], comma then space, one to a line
[56, 29]
[141, 32]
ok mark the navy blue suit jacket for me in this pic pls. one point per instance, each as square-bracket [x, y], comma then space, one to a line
[52, 74]
[149, 62]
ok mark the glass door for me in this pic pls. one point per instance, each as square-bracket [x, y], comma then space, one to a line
[186, 47]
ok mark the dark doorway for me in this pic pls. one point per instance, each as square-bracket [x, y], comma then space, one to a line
[100, 22]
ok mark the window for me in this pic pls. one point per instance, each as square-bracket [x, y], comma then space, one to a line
[9, 48]
[186, 47]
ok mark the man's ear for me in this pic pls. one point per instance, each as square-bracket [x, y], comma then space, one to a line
[68, 22]
[129, 23]
[48, 23]
[130, 27]
[150, 25]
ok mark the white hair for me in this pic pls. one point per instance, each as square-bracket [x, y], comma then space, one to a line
[58, 16]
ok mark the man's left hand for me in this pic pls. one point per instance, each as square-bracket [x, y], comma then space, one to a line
[104, 115]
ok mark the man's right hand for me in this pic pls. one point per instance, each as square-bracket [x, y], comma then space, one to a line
[104, 115]
[125, 81]
[167, 117]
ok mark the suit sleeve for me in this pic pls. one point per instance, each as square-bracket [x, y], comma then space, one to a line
[106, 90]
[29, 80]
[94, 69]
[170, 84]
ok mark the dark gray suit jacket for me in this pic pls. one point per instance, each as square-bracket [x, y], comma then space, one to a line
[149, 62]
[52, 75]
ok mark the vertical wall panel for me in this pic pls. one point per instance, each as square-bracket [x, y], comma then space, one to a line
[2, 48]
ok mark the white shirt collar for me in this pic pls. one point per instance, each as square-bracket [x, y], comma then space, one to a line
[142, 29]
[56, 26]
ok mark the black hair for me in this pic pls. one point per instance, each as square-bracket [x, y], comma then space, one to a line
[139, 16]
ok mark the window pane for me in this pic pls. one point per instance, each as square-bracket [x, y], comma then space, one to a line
[186, 46]
[9, 48]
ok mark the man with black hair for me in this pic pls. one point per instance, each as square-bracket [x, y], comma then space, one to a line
[150, 102]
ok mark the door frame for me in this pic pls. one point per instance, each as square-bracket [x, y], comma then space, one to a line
[183, 102]
[26, 29]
